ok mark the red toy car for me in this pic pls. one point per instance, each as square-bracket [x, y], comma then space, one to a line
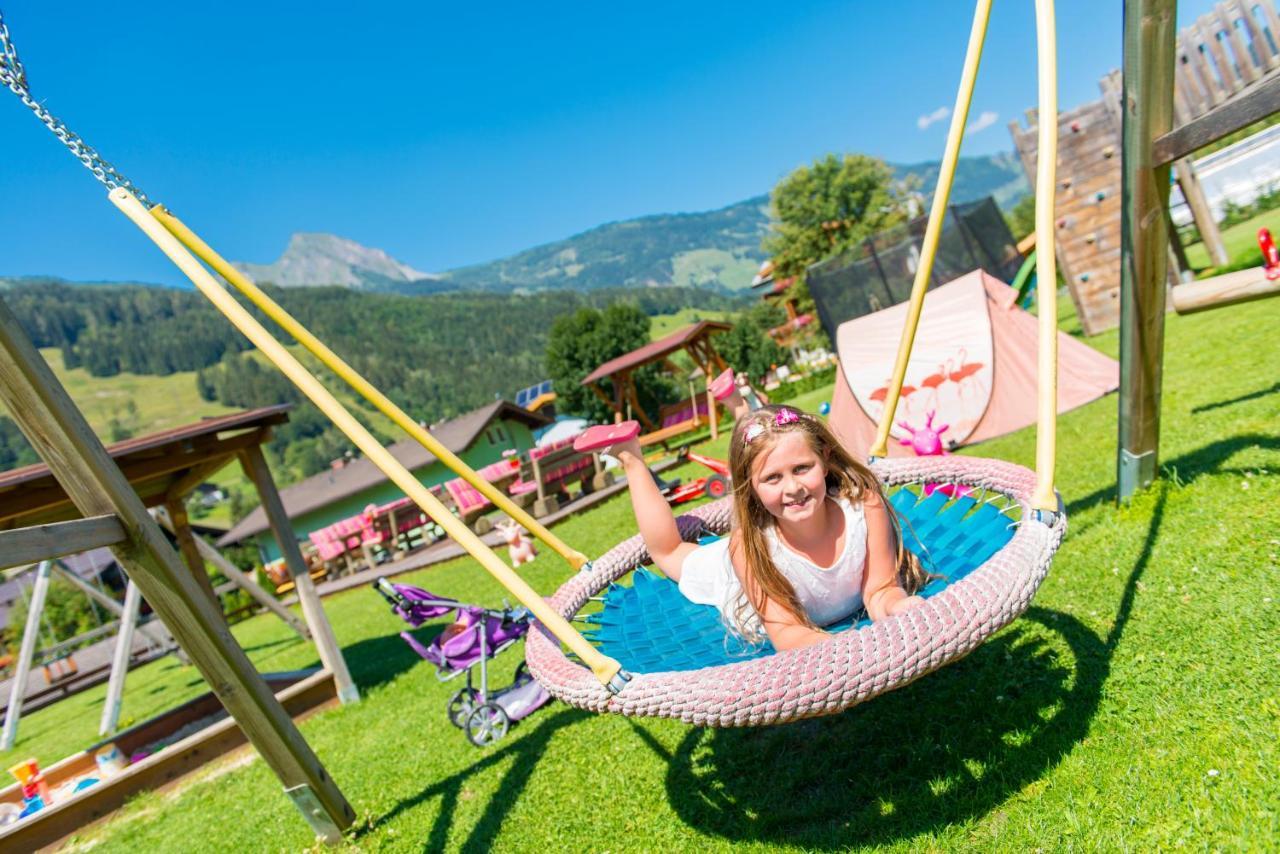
[715, 485]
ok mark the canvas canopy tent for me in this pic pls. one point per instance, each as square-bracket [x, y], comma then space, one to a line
[973, 364]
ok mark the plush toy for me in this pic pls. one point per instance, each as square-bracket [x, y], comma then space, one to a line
[926, 441]
[519, 547]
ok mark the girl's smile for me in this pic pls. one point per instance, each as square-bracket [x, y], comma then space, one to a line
[790, 479]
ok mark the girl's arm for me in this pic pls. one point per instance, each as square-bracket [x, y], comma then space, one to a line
[785, 630]
[881, 593]
[653, 515]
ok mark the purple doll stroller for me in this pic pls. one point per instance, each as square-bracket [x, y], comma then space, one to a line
[476, 635]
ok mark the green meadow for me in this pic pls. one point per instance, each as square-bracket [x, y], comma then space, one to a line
[1133, 707]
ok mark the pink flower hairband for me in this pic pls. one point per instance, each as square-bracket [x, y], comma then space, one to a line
[784, 415]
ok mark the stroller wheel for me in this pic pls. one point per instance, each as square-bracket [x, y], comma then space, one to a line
[461, 705]
[486, 724]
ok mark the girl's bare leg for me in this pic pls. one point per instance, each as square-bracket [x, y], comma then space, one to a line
[653, 515]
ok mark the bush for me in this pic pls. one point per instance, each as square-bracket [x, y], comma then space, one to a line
[809, 382]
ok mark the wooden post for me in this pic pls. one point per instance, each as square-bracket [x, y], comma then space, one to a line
[1210, 235]
[243, 581]
[255, 466]
[1149, 33]
[181, 528]
[30, 636]
[59, 433]
[713, 415]
[120, 661]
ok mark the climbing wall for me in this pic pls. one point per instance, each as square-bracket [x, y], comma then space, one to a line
[1087, 208]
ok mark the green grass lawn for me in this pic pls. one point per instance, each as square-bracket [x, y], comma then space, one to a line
[1134, 707]
[1241, 242]
[665, 324]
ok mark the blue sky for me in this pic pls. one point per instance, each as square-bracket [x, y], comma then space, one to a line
[449, 135]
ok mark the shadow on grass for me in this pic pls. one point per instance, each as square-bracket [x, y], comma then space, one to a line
[1205, 460]
[525, 751]
[376, 661]
[946, 749]
[290, 640]
[1253, 395]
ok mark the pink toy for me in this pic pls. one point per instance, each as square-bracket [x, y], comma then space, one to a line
[604, 435]
[926, 441]
[1270, 256]
[722, 386]
[519, 547]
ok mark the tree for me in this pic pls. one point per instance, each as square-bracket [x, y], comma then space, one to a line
[582, 341]
[829, 207]
[1022, 218]
[748, 347]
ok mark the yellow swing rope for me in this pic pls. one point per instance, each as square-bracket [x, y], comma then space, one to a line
[1044, 498]
[606, 669]
[366, 389]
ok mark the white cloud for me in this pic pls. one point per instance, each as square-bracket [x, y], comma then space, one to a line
[982, 122]
[936, 116]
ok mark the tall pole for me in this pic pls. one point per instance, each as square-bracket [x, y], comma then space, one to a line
[120, 660]
[1150, 29]
[30, 634]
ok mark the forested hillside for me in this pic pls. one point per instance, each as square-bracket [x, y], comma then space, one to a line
[436, 356]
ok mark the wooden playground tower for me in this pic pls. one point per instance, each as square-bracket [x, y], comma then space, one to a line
[112, 514]
[1151, 143]
[1222, 55]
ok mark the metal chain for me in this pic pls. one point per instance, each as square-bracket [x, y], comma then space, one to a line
[14, 77]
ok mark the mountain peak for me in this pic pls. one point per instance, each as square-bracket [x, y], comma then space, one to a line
[315, 258]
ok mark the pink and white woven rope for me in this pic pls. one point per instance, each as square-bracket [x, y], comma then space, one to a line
[836, 674]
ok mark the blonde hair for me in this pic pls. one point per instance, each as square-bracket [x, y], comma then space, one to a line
[846, 477]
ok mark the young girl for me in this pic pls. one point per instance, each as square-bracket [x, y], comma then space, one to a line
[813, 539]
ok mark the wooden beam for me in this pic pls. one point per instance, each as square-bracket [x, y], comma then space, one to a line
[714, 357]
[59, 433]
[1252, 105]
[1227, 289]
[202, 472]
[255, 466]
[177, 512]
[1210, 235]
[617, 414]
[40, 542]
[237, 578]
[1149, 30]
[139, 473]
[635, 402]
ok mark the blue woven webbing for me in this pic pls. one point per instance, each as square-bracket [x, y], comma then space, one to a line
[649, 627]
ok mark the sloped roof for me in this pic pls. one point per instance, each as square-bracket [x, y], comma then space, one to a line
[329, 486]
[154, 464]
[655, 350]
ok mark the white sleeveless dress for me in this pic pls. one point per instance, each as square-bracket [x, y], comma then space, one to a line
[828, 594]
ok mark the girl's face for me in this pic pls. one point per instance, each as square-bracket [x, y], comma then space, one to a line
[790, 479]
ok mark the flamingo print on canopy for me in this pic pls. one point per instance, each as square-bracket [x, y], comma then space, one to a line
[932, 381]
[880, 394]
[964, 372]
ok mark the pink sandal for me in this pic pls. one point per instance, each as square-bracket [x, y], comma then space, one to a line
[604, 435]
[722, 386]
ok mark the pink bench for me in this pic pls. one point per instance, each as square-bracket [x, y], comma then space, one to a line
[549, 471]
[468, 502]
